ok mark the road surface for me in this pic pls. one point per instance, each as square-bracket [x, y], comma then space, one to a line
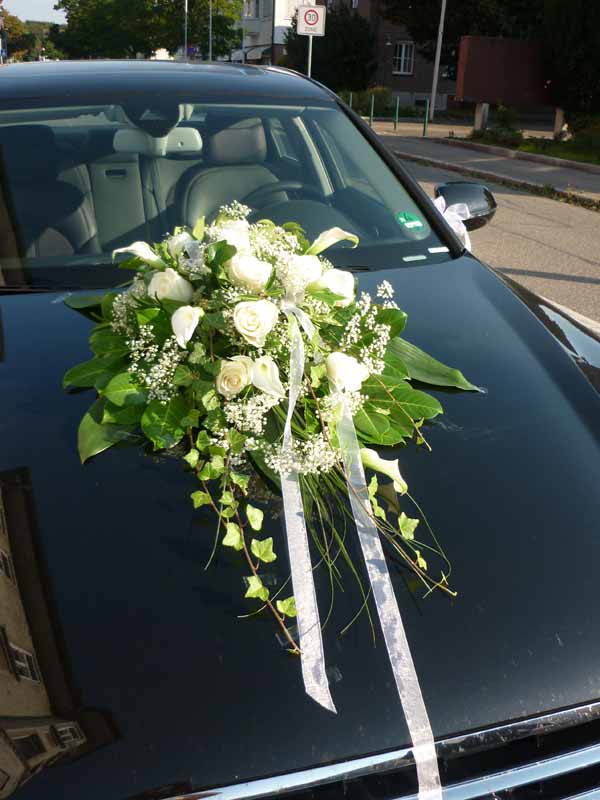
[551, 247]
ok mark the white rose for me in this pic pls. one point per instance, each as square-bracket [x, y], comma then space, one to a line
[184, 322]
[234, 376]
[249, 272]
[305, 270]
[236, 233]
[371, 459]
[265, 376]
[254, 319]
[169, 285]
[345, 373]
[178, 243]
[339, 282]
[144, 251]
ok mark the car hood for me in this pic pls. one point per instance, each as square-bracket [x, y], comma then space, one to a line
[197, 697]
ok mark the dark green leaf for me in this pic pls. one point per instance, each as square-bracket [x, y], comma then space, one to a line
[393, 317]
[104, 341]
[94, 437]
[81, 301]
[122, 390]
[89, 372]
[128, 415]
[162, 422]
[423, 367]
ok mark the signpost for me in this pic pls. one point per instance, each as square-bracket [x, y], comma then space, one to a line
[311, 22]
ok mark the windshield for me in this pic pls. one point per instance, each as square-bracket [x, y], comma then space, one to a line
[78, 182]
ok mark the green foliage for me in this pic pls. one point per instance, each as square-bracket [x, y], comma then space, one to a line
[382, 104]
[263, 550]
[257, 589]
[343, 59]
[255, 517]
[161, 422]
[423, 367]
[287, 607]
[407, 526]
[94, 437]
[234, 538]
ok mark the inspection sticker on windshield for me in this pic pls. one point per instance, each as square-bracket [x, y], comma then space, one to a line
[408, 220]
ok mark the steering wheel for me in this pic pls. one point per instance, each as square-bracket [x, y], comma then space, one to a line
[262, 194]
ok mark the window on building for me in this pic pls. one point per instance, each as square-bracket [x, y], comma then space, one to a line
[24, 663]
[29, 747]
[6, 567]
[404, 58]
[69, 735]
[252, 8]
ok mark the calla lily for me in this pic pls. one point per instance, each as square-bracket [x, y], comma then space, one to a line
[265, 376]
[179, 242]
[329, 238]
[372, 460]
[144, 251]
[184, 322]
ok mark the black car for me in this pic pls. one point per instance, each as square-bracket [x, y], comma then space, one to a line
[125, 670]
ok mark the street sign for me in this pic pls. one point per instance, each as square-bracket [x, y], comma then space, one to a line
[311, 20]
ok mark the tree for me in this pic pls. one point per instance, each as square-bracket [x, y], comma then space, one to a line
[114, 29]
[572, 41]
[343, 58]
[21, 43]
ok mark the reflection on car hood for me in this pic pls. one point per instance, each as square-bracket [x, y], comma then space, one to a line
[192, 696]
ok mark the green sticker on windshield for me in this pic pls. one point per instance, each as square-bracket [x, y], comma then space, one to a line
[409, 220]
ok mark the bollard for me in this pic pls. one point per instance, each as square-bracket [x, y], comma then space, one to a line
[426, 119]
[371, 109]
[396, 112]
[350, 100]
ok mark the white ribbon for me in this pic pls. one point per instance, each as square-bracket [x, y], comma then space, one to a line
[454, 216]
[394, 634]
[307, 611]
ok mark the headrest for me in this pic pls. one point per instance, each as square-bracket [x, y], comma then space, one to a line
[241, 143]
[28, 152]
[185, 141]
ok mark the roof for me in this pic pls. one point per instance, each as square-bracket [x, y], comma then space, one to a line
[99, 81]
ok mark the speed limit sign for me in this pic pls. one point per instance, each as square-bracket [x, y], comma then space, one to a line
[311, 20]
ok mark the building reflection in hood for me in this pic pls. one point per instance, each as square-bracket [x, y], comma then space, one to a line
[41, 720]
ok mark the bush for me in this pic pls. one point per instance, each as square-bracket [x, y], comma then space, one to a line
[361, 101]
[505, 119]
[503, 137]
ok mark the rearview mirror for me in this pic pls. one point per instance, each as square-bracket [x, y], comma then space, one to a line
[477, 197]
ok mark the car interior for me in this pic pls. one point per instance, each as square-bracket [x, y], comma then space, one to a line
[86, 181]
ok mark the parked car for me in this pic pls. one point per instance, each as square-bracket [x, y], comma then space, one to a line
[125, 670]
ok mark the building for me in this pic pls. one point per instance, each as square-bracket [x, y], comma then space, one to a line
[399, 66]
[41, 720]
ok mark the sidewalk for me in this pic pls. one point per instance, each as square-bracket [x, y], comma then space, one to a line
[572, 184]
[459, 129]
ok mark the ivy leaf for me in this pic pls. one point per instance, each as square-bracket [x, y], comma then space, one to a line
[317, 374]
[183, 376]
[255, 517]
[421, 563]
[212, 469]
[240, 480]
[407, 526]
[227, 498]
[257, 589]
[233, 538]
[236, 440]
[263, 550]
[203, 441]
[162, 422]
[94, 437]
[192, 458]
[123, 391]
[210, 400]
[287, 607]
[200, 499]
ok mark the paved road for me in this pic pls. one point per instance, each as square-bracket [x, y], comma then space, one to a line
[567, 179]
[552, 248]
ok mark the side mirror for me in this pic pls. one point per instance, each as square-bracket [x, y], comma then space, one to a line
[477, 197]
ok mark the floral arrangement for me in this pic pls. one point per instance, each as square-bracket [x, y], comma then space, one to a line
[240, 347]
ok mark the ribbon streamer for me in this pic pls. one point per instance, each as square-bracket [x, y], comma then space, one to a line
[307, 611]
[454, 216]
[394, 634]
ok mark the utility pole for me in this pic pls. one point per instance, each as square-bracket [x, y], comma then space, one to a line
[436, 66]
[210, 49]
[185, 29]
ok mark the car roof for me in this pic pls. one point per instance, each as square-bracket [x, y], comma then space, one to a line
[64, 80]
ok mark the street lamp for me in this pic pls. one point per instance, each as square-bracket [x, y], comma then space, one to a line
[436, 66]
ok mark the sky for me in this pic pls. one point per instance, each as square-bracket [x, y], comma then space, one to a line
[41, 10]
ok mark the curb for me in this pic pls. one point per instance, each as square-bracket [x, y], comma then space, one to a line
[506, 180]
[506, 152]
